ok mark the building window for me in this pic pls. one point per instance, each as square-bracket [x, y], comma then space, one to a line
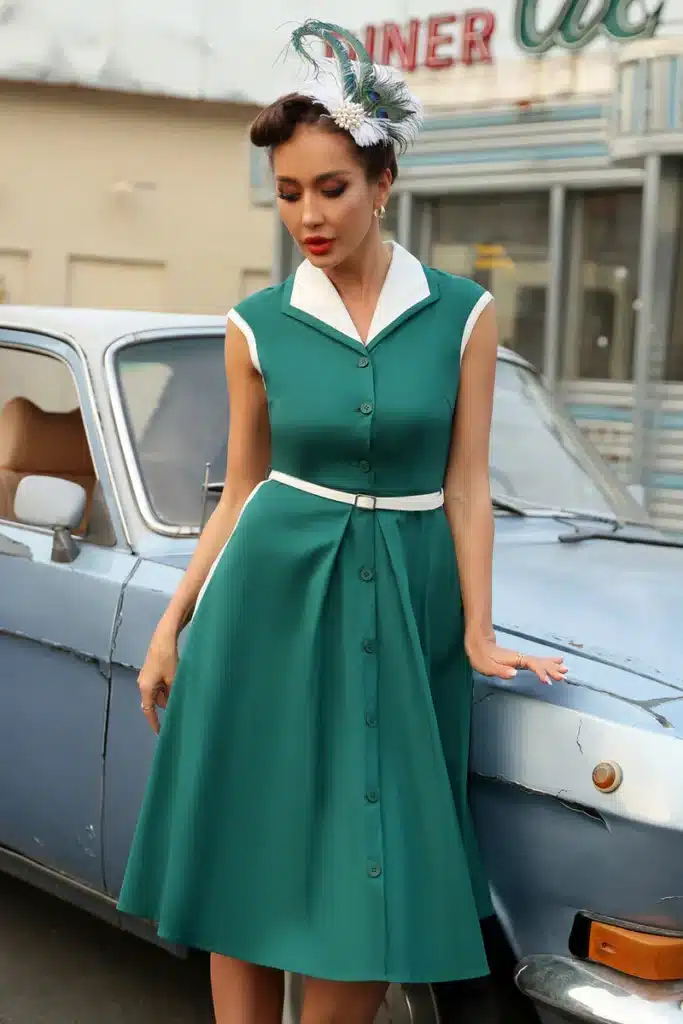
[599, 317]
[502, 242]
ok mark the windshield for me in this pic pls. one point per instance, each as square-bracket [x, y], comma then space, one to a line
[174, 397]
[539, 456]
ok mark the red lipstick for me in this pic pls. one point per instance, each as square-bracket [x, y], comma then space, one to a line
[317, 245]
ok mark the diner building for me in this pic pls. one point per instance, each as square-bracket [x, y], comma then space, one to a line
[552, 174]
[549, 169]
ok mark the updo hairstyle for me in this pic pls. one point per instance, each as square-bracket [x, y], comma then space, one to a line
[277, 123]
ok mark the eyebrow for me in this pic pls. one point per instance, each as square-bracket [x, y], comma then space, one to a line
[320, 178]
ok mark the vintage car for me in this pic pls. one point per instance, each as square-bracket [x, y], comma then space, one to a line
[112, 449]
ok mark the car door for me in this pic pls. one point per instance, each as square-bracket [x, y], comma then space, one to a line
[57, 619]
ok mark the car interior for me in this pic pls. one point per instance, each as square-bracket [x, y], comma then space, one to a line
[36, 442]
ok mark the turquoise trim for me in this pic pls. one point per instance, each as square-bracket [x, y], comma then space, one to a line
[598, 412]
[664, 481]
[661, 420]
[505, 117]
[509, 154]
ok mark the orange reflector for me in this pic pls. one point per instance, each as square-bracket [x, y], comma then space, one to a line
[650, 957]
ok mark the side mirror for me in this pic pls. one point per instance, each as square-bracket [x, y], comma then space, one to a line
[54, 504]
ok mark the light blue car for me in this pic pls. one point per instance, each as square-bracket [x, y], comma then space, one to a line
[112, 449]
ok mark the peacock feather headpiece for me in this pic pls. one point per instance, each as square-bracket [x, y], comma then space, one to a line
[371, 102]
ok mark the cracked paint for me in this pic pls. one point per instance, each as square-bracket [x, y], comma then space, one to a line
[643, 705]
[578, 743]
[594, 654]
[118, 614]
[571, 805]
[84, 656]
[85, 844]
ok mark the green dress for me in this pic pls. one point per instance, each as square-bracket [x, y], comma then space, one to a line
[307, 805]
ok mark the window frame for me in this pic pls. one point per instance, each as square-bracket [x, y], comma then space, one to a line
[121, 426]
[70, 354]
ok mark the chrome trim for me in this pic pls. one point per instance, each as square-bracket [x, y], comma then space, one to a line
[584, 991]
[118, 414]
[409, 1004]
[552, 341]
[71, 342]
[644, 333]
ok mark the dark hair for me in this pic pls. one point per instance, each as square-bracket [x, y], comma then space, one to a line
[278, 122]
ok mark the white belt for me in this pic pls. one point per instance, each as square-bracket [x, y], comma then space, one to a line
[403, 503]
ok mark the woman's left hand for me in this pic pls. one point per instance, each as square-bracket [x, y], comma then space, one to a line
[489, 659]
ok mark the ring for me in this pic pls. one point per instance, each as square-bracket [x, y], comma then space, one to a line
[147, 707]
[520, 659]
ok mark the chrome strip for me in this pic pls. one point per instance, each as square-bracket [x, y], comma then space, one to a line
[585, 991]
[552, 341]
[116, 405]
[644, 340]
[92, 398]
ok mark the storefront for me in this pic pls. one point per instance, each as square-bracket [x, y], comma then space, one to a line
[558, 186]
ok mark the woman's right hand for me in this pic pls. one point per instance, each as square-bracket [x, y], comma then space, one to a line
[157, 673]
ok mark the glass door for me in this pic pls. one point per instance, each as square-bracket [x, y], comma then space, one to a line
[501, 241]
[602, 285]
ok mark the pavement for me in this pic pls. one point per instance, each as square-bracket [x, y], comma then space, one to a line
[59, 965]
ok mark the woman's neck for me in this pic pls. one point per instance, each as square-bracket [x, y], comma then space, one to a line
[362, 275]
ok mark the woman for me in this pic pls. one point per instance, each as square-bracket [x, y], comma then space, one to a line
[307, 805]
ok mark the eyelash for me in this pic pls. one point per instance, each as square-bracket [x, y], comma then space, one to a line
[334, 193]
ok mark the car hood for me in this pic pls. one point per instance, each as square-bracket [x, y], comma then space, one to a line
[601, 600]
[604, 601]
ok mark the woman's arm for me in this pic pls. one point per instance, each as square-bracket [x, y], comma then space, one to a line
[247, 463]
[469, 512]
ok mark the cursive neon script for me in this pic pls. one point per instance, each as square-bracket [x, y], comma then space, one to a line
[572, 29]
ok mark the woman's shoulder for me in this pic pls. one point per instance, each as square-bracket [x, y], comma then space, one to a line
[262, 301]
[459, 289]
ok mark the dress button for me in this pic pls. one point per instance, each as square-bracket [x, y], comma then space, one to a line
[368, 646]
[374, 870]
[364, 465]
[366, 408]
[372, 796]
[363, 362]
[371, 720]
[367, 574]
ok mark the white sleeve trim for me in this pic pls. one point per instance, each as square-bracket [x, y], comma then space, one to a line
[249, 335]
[478, 308]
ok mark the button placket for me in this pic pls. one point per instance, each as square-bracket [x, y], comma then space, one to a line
[365, 410]
[374, 850]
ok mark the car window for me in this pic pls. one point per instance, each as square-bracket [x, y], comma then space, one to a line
[42, 433]
[174, 398]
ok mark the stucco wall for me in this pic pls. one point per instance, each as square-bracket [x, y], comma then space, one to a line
[115, 200]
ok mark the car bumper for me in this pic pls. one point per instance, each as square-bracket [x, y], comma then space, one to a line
[580, 991]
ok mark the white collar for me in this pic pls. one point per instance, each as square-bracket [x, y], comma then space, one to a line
[404, 286]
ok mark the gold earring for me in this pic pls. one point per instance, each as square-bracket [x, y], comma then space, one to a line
[381, 212]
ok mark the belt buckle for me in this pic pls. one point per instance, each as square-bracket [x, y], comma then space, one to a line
[368, 501]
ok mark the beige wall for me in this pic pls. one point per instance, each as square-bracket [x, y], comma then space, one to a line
[128, 201]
